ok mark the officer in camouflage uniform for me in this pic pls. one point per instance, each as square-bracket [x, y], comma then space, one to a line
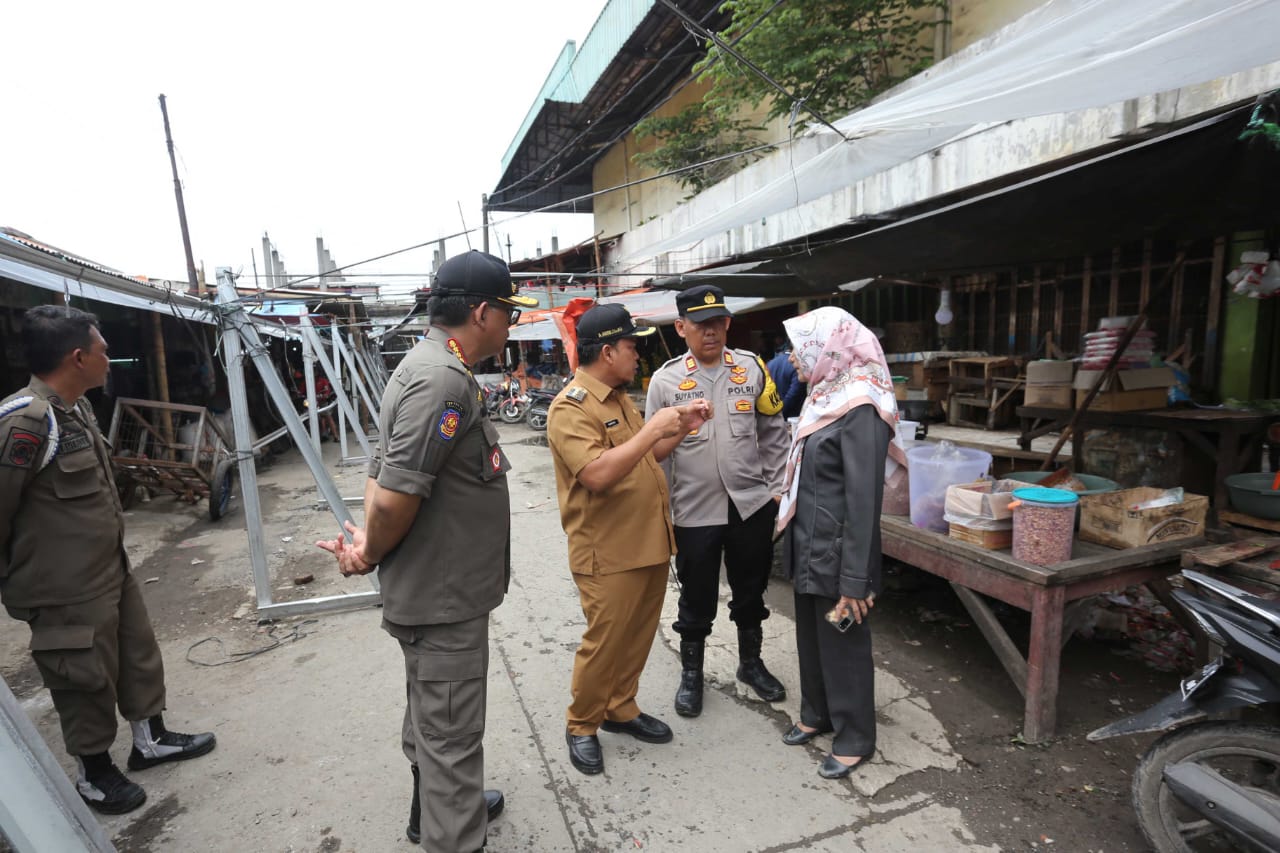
[725, 481]
[63, 567]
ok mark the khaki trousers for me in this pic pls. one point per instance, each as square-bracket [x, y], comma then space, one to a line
[96, 656]
[622, 613]
[443, 731]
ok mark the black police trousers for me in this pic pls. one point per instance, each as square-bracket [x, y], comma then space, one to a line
[746, 548]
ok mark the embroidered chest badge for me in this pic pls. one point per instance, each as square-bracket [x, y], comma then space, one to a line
[450, 419]
[738, 370]
[687, 385]
[743, 405]
[738, 378]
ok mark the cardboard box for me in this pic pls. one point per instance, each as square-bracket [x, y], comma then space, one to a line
[1046, 372]
[991, 540]
[1107, 519]
[1128, 390]
[1048, 396]
[979, 501]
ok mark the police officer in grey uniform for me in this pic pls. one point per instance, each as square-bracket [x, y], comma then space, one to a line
[725, 480]
[438, 524]
[63, 567]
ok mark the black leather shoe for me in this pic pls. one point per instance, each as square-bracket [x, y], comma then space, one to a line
[799, 737]
[584, 753]
[171, 746]
[644, 727]
[493, 803]
[833, 769]
[110, 792]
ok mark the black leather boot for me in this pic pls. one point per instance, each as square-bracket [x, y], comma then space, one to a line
[751, 669]
[689, 693]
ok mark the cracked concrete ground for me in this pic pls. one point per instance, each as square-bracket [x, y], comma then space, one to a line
[309, 757]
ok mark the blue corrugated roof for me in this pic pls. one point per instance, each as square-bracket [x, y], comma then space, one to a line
[576, 71]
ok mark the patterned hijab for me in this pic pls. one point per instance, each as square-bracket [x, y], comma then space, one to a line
[845, 367]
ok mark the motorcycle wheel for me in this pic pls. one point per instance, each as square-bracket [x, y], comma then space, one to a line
[1246, 754]
[537, 418]
[511, 413]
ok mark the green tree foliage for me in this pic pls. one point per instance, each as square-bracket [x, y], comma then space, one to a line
[835, 55]
[695, 135]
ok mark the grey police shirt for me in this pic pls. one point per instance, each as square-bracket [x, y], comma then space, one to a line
[739, 455]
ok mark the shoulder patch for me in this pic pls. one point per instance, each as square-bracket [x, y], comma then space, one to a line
[769, 402]
[450, 418]
[20, 448]
[18, 444]
[576, 393]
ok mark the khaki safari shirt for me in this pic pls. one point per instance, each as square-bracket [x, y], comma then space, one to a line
[61, 523]
[628, 525]
[436, 442]
[740, 454]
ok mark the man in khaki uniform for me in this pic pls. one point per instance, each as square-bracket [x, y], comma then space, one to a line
[615, 511]
[63, 568]
[725, 480]
[438, 523]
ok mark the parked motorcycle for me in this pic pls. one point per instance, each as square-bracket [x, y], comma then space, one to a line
[1214, 784]
[539, 406]
[505, 401]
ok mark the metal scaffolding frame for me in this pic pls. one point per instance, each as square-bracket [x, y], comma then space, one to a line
[240, 338]
[40, 809]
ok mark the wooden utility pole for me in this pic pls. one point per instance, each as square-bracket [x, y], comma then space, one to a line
[192, 283]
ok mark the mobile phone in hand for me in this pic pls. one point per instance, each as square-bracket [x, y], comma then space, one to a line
[840, 623]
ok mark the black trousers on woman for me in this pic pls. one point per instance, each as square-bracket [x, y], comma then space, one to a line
[837, 677]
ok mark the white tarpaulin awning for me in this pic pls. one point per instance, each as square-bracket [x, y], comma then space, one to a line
[1065, 56]
[654, 307]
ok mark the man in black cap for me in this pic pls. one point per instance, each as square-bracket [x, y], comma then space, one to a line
[615, 512]
[725, 481]
[438, 481]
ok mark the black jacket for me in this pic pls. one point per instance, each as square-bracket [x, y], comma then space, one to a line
[832, 545]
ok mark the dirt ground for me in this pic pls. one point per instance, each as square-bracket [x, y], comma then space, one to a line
[300, 720]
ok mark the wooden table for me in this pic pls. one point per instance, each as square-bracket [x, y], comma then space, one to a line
[1232, 439]
[1055, 597]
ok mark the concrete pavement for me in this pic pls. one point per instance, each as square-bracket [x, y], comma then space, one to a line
[309, 757]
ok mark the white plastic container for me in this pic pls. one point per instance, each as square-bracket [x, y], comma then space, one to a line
[932, 469]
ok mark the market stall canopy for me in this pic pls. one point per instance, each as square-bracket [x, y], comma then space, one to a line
[1195, 181]
[1064, 56]
[30, 262]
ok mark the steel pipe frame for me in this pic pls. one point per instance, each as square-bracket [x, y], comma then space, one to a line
[39, 808]
[239, 337]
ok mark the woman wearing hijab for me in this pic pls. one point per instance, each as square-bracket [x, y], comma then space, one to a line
[843, 449]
